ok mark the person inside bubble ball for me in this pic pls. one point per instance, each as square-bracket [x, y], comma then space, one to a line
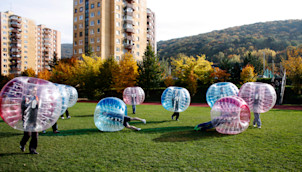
[175, 104]
[133, 96]
[127, 119]
[29, 107]
[257, 119]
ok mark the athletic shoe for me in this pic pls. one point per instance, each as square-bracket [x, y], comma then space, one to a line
[56, 131]
[259, 126]
[144, 121]
[68, 117]
[44, 131]
[138, 129]
[62, 117]
[254, 125]
[22, 148]
[33, 152]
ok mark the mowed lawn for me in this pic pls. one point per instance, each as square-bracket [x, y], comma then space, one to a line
[161, 145]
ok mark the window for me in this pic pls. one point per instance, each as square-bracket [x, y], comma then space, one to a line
[75, 43]
[118, 24]
[137, 45]
[98, 30]
[25, 52]
[81, 42]
[118, 32]
[118, 16]
[25, 46]
[75, 10]
[25, 42]
[5, 66]
[76, 3]
[75, 52]
[91, 40]
[75, 27]
[117, 7]
[117, 58]
[81, 17]
[98, 40]
[81, 9]
[25, 36]
[25, 57]
[98, 48]
[137, 53]
[99, 13]
[80, 51]
[92, 23]
[81, 1]
[91, 31]
[4, 60]
[92, 6]
[118, 41]
[75, 19]
[81, 34]
[99, 21]
[80, 26]
[99, 4]
[118, 49]
[75, 35]
[92, 14]
[25, 62]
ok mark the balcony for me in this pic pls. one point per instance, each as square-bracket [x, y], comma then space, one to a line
[16, 36]
[14, 30]
[15, 18]
[130, 1]
[16, 46]
[128, 13]
[16, 41]
[128, 46]
[15, 25]
[129, 30]
[47, 31]
[129, 38]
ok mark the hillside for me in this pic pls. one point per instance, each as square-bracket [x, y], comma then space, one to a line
[66, 51]
[275, 35]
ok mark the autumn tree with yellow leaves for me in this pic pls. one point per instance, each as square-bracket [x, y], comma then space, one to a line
[248, 74]
[293, 66]
[126, 73]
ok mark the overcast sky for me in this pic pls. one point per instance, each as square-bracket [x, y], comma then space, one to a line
[174, 18]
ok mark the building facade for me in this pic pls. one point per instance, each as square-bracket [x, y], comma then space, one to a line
[20, 42]
[110, 28]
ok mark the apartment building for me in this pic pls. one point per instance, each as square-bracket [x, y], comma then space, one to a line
[23, 43]
[111, 28]
[151, 29]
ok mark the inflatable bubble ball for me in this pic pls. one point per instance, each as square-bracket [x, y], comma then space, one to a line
[219, 90]
[109, 114]
[176, 99]
[133, 95]
[73, 95]
[230, 115]
[30, 104]
[65, 96]
[260, 97]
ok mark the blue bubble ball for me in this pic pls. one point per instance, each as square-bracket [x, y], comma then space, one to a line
[109, 114]
[176, 99]
[219, 90]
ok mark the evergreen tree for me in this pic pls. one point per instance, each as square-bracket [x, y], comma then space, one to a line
[149, 70]
[105, 80]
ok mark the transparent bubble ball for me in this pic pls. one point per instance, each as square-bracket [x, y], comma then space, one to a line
[176, 99]
[219, 90]
[65, 96]
[30, 104]
[109, 114]
[133, 95]
[260, 97]
[73, 95]
[230, 115]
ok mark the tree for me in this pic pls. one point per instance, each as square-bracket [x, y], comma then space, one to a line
[125, 75]
[293, 67]
[88, 72]
[248, 74]
[44, 74]
[105, 77]
[253, 60]
[218, 75]
[149, 70]
[54, 60]
[30, 72]
[169, 81]
[188, 70]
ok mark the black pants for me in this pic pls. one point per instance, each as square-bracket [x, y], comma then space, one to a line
[33, 142]
[175, 114]
[66, 112]
[55, 127]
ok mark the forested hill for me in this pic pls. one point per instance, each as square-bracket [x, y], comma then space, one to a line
[275, 35]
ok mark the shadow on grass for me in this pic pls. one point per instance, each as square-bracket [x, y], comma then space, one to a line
[151, 122]
[12, 154]
[182, 134]
[72, 132]
[82, 116]
[9, 134]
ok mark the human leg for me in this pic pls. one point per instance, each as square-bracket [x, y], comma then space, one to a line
[257, 120]
[133, 109]
[177, 116]
[139, 119]
[33, 143]
[26, 136]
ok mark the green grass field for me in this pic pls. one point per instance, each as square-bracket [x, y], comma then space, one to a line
[161, 145]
